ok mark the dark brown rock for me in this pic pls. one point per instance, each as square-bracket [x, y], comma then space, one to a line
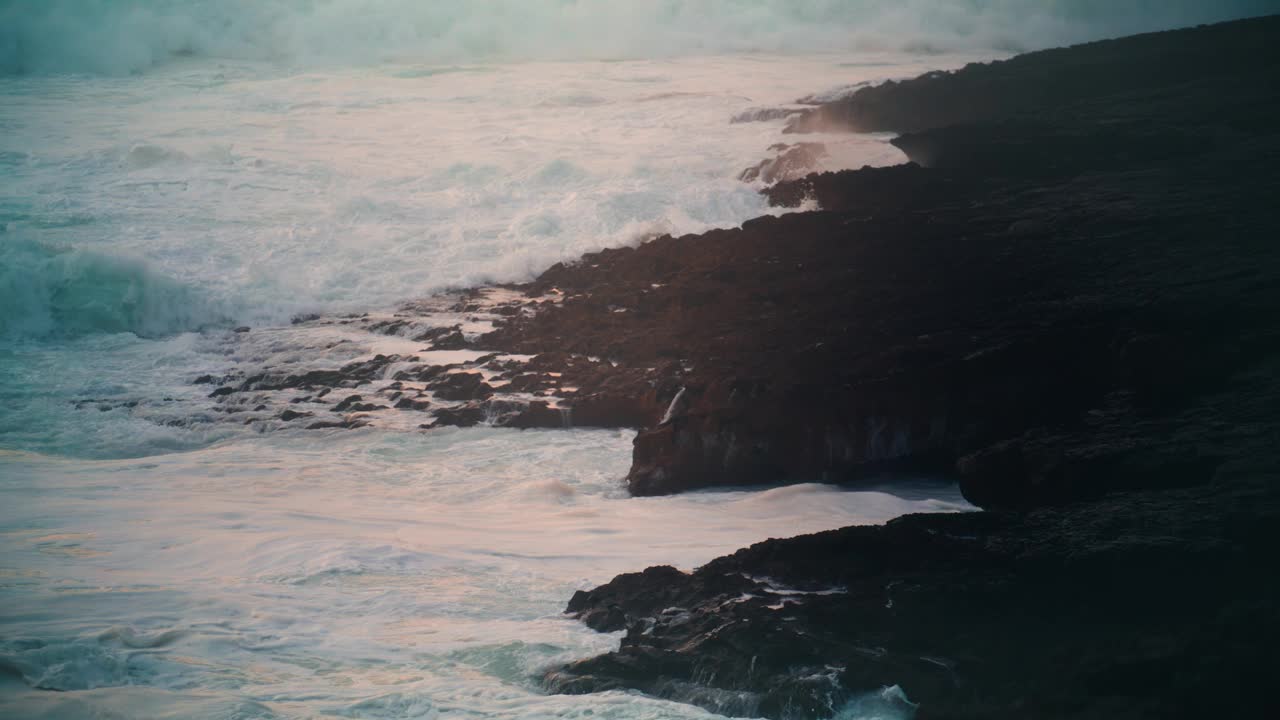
[1072, 300]
[407, 403]
[1136, 606]
[1042, 281]
[468, 415]
[461, 386]
[348, 423]
[444, 338]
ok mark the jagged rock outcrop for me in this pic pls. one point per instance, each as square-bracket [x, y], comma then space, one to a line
[1037, 297]
[1157, 604]
[1066, 278]
[1072, 299]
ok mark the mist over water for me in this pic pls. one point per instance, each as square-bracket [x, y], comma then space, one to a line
[123, 36]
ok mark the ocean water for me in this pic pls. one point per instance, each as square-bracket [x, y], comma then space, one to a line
[171, 170]
[360, 575]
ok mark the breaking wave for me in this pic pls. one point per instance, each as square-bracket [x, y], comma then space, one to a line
[129, 36]
[48, 291]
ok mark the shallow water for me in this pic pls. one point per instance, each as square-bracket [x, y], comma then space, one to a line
[363, 574]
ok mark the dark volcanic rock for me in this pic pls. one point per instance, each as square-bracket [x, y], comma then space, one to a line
[349, 375]
[424, 373]
[345, 403]
[407, 403]
[468, 415]
[1072, 301]
[872, 192]
[1145, 605]
[1066, 327]
[352, 403]
[444, 338]
[1098, 82]
[461, 386]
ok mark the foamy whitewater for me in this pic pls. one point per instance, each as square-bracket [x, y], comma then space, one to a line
[171, 170]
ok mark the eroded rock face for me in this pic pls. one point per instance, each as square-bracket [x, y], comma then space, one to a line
[1155, 604]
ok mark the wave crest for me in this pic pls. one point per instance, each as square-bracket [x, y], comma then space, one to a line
[48, 291]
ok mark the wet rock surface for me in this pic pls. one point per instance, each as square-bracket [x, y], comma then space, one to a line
[1071, 293]
[1157, 604]
[440, 371]
[1009, 318]
[1070, 300]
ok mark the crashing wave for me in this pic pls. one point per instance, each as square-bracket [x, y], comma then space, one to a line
[49, 291]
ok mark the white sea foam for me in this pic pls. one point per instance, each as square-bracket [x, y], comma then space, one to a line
[207, 195]
[267, 193]
[362, 575]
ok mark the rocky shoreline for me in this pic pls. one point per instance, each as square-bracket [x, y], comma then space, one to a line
[1073, 303]
[1069, 302]
[1150, 604]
